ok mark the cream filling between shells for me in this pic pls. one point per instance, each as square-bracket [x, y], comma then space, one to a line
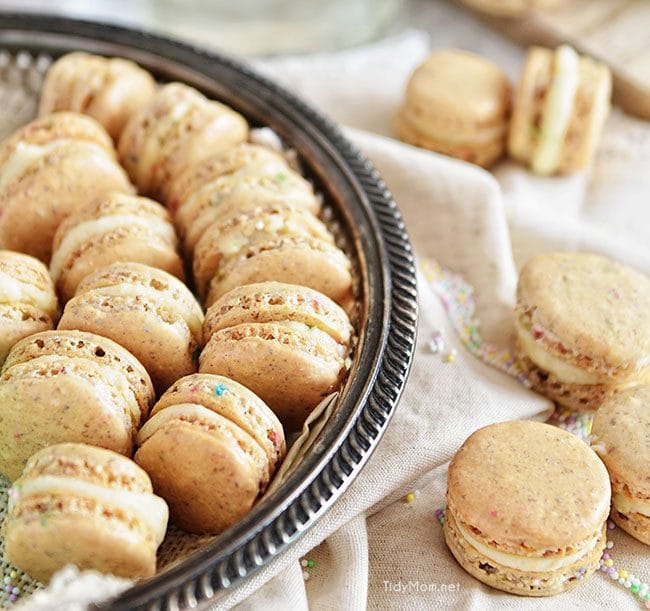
[625, 505]
[526, 563]
[13, 290]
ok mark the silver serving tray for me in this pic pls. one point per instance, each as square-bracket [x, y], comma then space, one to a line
[379, 246]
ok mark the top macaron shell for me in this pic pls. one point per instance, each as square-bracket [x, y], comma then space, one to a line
[108, 89]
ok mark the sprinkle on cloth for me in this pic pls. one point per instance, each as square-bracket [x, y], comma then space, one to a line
[307, 564]
[457, 297]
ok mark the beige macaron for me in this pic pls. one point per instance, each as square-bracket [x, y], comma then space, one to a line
[48, 169]
[58, 386]
[108, 89]
[289, 344]
[176, 129]
[271, 243]
[583, 327]
[28, 302]
[527, 505]
[210, 447]
[148, 311]
[511, 8]
[262, 178]
[621, 437]
[560, 107]
[458, 104]
[115, 227]
[86, 506]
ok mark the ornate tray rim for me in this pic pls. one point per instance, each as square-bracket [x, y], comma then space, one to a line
[385, 351]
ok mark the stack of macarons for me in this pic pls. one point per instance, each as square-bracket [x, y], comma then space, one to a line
[49, 168]
[458, 104]
[28, 301]
[110, 90]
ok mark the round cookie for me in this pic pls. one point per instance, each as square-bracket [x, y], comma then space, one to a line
[620, 437]
[86, 506]
[61, 386]
[583, 327]
[210, 420]
[458, 104]
[28, 302]
[148, 311]
[271, 243]
[526, 510]
[116, 227]
[108, 89]
[48, 169]
[289, 344]
[559, 110]
[176, 129]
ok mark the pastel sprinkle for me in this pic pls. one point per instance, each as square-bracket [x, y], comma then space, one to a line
[311, 563]
[220, 390]
[409, 498]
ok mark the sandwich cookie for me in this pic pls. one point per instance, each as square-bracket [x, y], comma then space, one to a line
[148, 311]
[48, 169]
[210, 447]
[271, 243]
[176, 129]
[28, 302]
[116, 227]
[458, 104]
[86, 506]
[621, 437]
[58, 386]
[560, 107]
[289, 344]
[583, 327]
[108, 89]
[527, 505]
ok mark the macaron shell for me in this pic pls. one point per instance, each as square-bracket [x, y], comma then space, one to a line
[223, 493]
[19, 321]
[635, 524]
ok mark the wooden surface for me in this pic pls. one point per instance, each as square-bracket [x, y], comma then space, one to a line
[616, 32]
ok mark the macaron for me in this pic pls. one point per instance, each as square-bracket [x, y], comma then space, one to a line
[86, 506]
[258, 182]
[60, 386]
[210, 447]
[176, 129]
[583, 327]
[458, 104]
[621, 437]
[527, 505]
[559, 110]
[108, 89]
[289, 344]
[48, 169]
[28, 302]
[115, 227]
[271, 243]
[148, 311]
[511, 8]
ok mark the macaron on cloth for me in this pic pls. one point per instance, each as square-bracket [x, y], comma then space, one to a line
[527, 505]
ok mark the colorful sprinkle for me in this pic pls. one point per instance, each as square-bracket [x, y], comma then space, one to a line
[220, 390]
[436, 343]
[450, 357]
[311, 563]
[409, 498]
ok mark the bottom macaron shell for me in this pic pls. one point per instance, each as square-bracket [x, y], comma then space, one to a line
[635, 524]
[86, 537]
[205, 480]
[17, 322]
[515, 581]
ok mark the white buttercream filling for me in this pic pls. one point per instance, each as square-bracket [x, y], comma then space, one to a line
[627, 506]
[13, 290]
[558, 108]
[526, 563]
[148, 508]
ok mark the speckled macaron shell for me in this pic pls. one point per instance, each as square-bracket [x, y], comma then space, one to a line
[116, 227]
[186, 439]
[28, 302]
[587, 312]
[82, 505]
[530, 117]
[283, 342]
[50, 168]
[108, 89]
[620, 436]
[52, 392]
[457, 103]
[564, 489]
[234, 402]
[178, 128]
[148, 311]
